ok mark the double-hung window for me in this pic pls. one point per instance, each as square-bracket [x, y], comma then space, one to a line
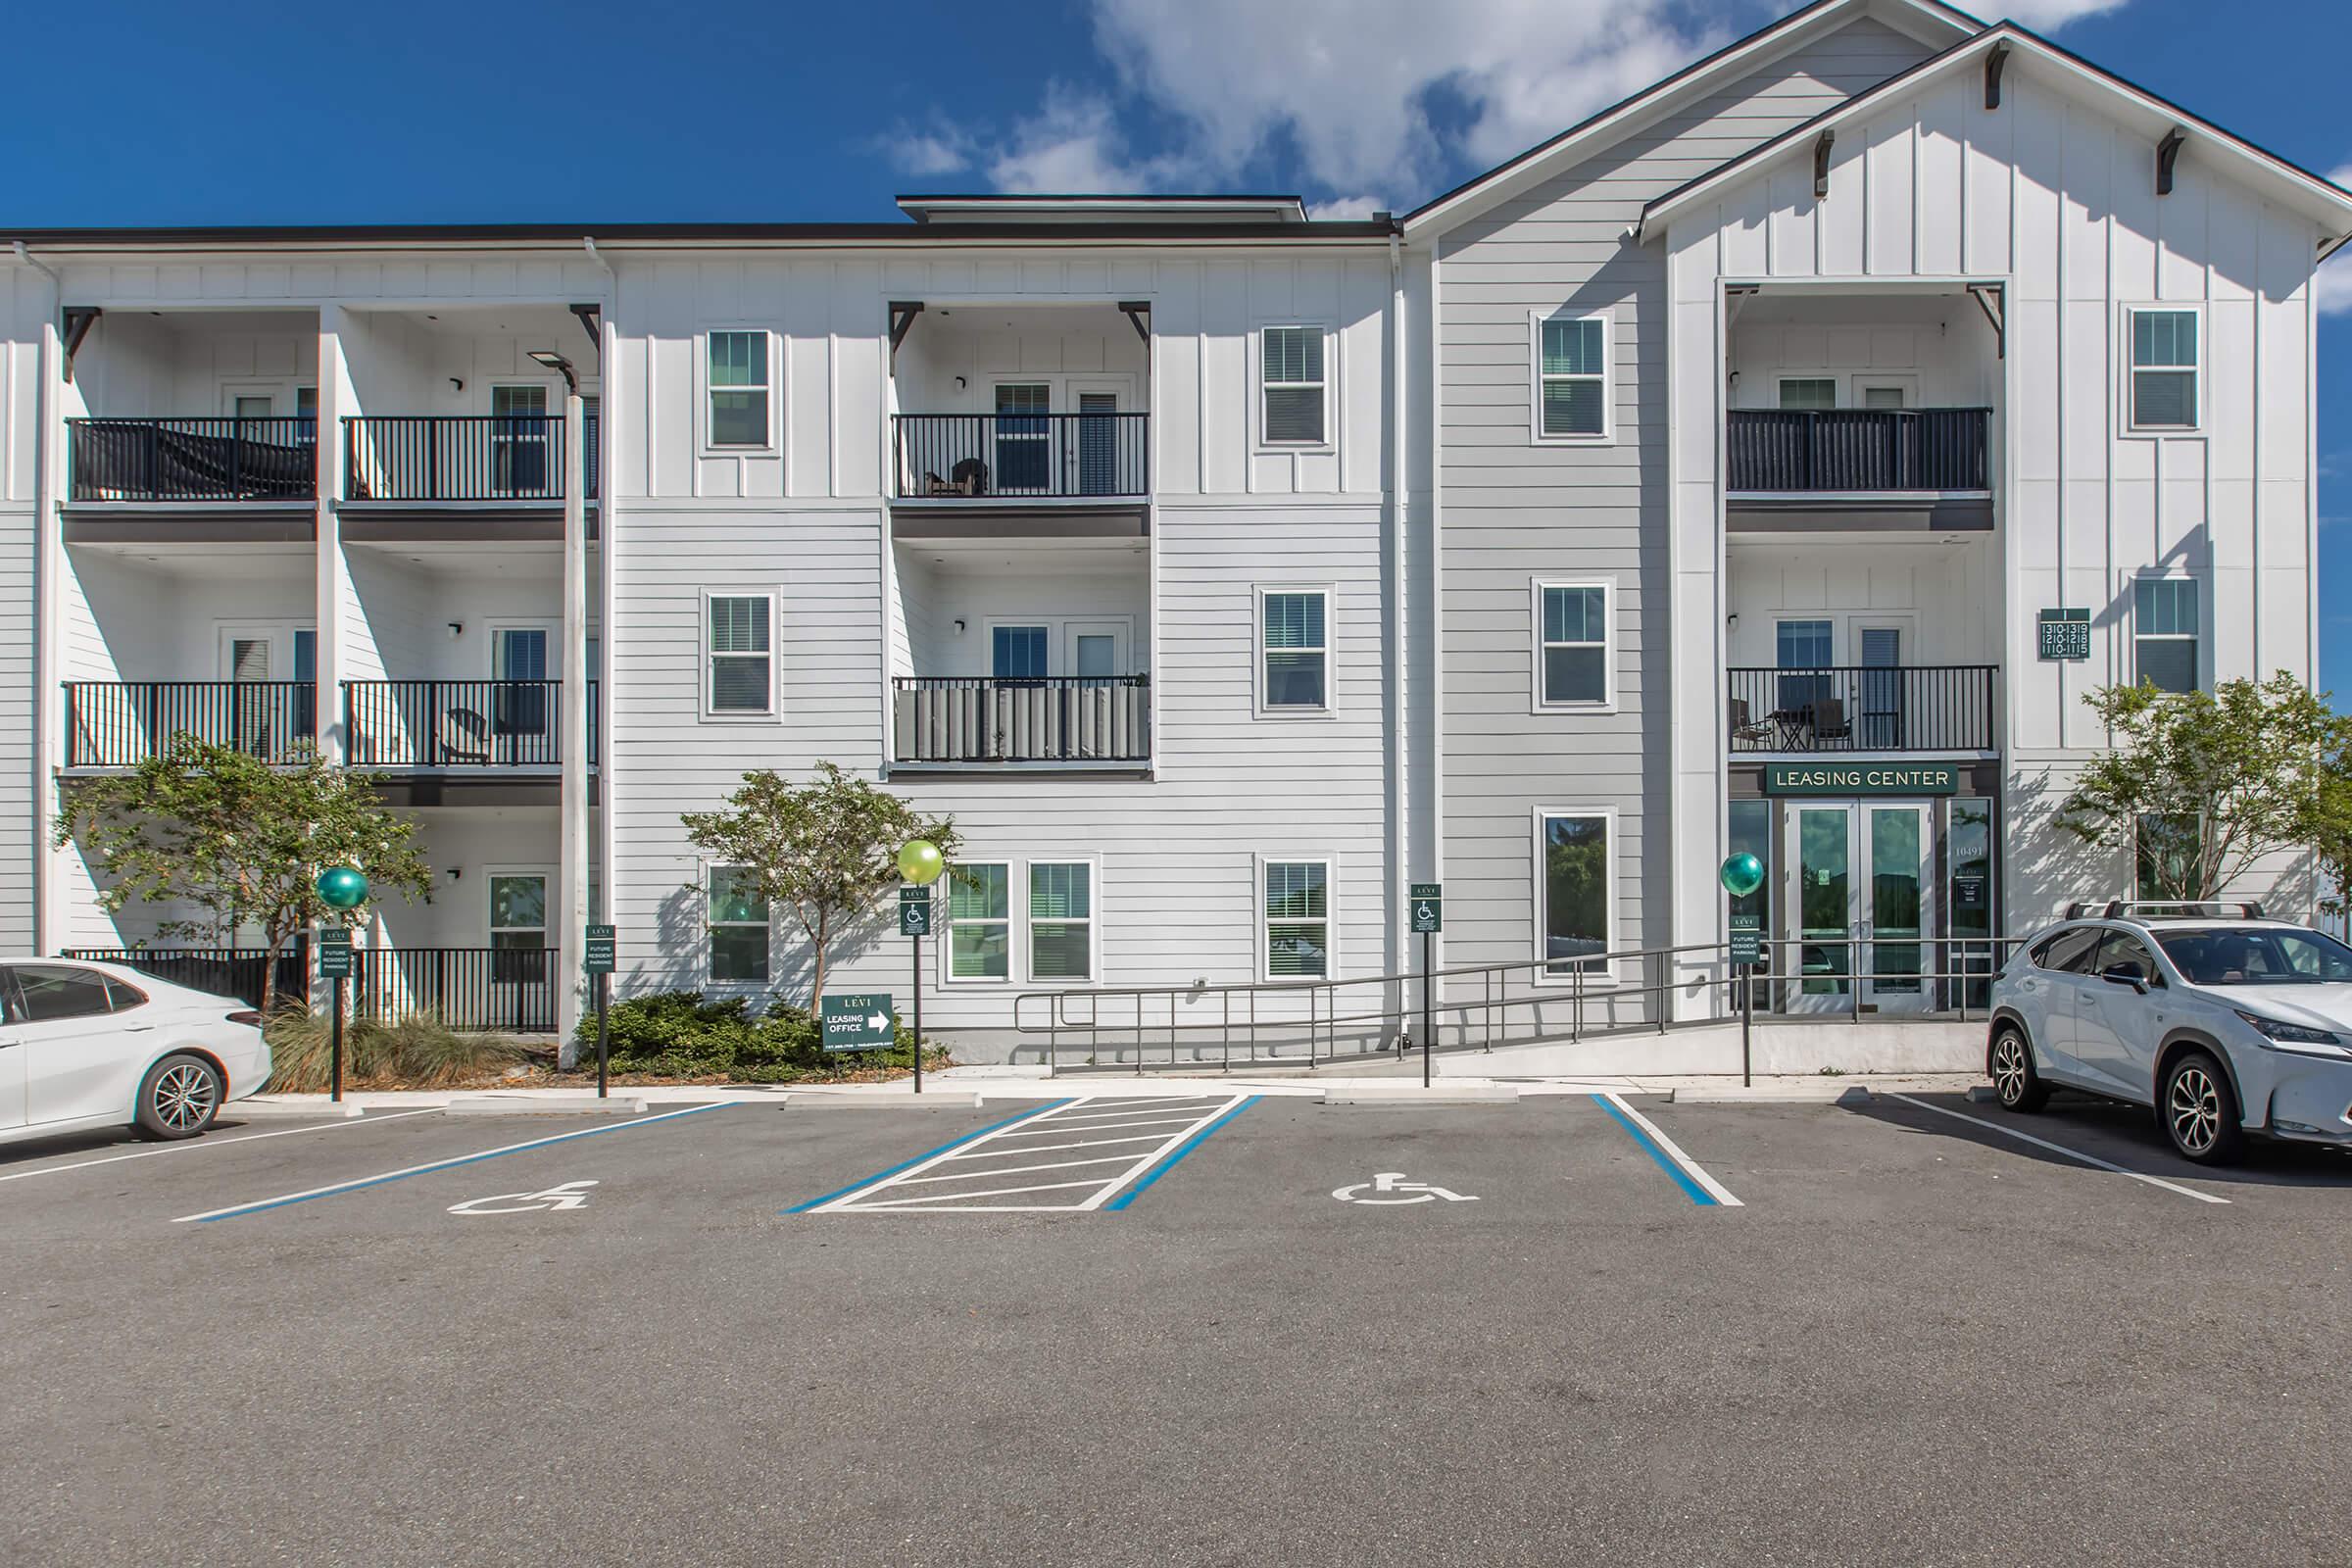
[1293, 649]
[2164, 369]
[979, 921]
[1573, 890]
[1572, 378]
[1297, 917]
[2164, 632]
[740, 652]
[1290, 372]
[2163, 855]
[738, 389]
[1061, 921]
[1573, 658]
[1801, 645]
[1808, 392]
[737, 919]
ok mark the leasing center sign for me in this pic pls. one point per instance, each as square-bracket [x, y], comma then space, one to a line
[1861, 779]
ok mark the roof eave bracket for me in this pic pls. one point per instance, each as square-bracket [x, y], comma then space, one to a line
[1139, 317]
[1996, 58]
[1990, 300]
[2167, 154]
[592, 320]
[1821, 165]
[902, 321]
[79, 318]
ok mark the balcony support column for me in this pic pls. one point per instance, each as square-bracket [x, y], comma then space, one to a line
[333, 591]
[573, 700]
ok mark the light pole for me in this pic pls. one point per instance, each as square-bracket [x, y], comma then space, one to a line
[340, 888]
[1741, 875]
[572, 738]
[919, 862]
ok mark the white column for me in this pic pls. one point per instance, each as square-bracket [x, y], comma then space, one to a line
[332, 592]
[49, 933]
[571, 984]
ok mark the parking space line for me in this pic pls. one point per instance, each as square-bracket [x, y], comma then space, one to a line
[1691, 1177]
[1191, 1144]
[1018, 1170]
[1094, 1126]
[993, 1192]
[196, 1144]
[927, 1158]
[256, 1208]
[1047, 1149]
[2061, 1148]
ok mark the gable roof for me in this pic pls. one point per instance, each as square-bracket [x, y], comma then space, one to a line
[1930, 21]
[2325, 203]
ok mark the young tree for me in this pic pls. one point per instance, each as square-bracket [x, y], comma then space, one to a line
[827, 850]
[240, 838]
[2223, 778]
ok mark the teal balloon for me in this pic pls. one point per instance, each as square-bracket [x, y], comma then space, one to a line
[1741, 874]
[342, 887]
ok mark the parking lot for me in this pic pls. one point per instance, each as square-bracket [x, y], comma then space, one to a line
[1193, 1326]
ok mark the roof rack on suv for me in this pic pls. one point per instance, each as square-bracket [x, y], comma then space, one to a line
[2194, 908]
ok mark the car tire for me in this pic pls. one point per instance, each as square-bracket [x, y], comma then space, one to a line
[179, 1096]
[2015, 1083]
[2199, 1111]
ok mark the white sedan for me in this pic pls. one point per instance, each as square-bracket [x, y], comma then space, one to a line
[92, 1046]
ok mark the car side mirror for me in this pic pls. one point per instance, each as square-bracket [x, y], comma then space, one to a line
[2126, 974]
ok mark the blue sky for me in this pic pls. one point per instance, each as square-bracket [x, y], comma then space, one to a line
[155, 113]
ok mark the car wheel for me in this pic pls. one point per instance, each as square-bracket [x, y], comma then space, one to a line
[2014, 1081]
[178, 1098]
[2199, 1111]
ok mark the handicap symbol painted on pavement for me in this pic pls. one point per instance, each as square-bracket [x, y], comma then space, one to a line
[571, 1194]
[1393, 1181]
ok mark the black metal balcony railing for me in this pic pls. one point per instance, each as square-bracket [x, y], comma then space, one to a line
[511, 989]
[227, 458]
[1853, 708]
[122, 723]
[458, 723]
[495, 457]
[222, 971]
[1059, 718]
[1024, 456]
[1832, 450]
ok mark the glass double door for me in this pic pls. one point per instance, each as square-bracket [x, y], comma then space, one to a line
[1861, 905]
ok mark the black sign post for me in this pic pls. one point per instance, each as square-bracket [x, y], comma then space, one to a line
[914, 919]
[1746, 948]
[595, 956]
[1427, 904]
[334, 966]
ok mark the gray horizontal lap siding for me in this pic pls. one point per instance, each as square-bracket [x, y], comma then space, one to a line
[1517, 510]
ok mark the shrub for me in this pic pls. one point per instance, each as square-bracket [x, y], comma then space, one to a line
[684, 1034]
[419, 1052]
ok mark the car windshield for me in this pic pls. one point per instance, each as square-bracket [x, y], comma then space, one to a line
[2257, 957]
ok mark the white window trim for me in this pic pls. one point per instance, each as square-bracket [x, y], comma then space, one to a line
[1257, 649]
[708, 867]
[2129, 425]
[703, 390]
[1057, 626]
[1608, 644]
[1605, 974]
[553, 631]
[1094, 922]
[703, 655]
[545, 874]
[1861, 383]
[1608, 435]
[1016, 888]
[1259, 441]
[1331, 914]
[2204, 666]
[1782, 378]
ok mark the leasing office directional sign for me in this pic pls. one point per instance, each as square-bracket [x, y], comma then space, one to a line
[858, 1022]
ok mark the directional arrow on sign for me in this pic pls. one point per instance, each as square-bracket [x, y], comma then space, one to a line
[877, 1020]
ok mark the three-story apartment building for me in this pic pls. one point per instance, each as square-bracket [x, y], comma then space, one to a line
[1773, 461]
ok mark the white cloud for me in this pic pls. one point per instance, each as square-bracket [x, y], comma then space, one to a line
[1073, 145]
[928, 152]
[2047, 16]
[2331, 285]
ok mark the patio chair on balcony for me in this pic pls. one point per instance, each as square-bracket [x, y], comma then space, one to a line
[1745, 731]
[464, 736]
[1830, 722]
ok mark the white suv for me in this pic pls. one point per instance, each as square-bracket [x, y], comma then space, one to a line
[2227, 1025]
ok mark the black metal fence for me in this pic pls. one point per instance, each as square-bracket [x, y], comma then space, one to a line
[509, 989]
[458, 723]
[223, 971]
[1024, 455]
[1858, 449]
[122, 723]
[483, 457]
[1854, 707]
[1058, 719]
[227, 458]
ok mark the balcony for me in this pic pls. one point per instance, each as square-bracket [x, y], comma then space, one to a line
[122, 723]
[1924, 468]
[205, 460]
[1023, 458]
[509, 989]
[434, 725]
[1065, 721]
[1853, 708]
[443, 459]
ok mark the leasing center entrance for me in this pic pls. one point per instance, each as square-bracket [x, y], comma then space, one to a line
[1878, 873]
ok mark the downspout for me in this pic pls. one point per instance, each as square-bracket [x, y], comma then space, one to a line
[1400, 840]
[48, 565]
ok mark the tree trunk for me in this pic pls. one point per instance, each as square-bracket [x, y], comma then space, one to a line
[817, 990]
[269, 979]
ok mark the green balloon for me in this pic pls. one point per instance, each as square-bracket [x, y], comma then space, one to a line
[920, 862]
[342, 887]
[1741, 874]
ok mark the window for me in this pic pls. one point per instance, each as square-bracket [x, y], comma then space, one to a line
[1573, 661]
[1293, 651]
[1809, 392]
[253, 407]
[1017, 653]
[1573, 872]
[306, 410]
[1883, 396]
[1291, 371]
[2070, 951]
[2121, 947]
[517, 929]
[742, 667]
[520, 696]
[979, 922]
[519, 430]
[1024, 439]
[738, 389]
[1298, 914]
[2259, 957]
[51, 992]
[2164, 857]
[1572, 378]
[738, 925]
[1061, 921]
[123, 997]
[2164, 369]
[2164, 632]
[1801, 645]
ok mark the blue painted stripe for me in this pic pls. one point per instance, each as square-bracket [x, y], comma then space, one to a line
[1666, 1162]
[366, 1182]
[1186, 1147]
[909, 1164]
